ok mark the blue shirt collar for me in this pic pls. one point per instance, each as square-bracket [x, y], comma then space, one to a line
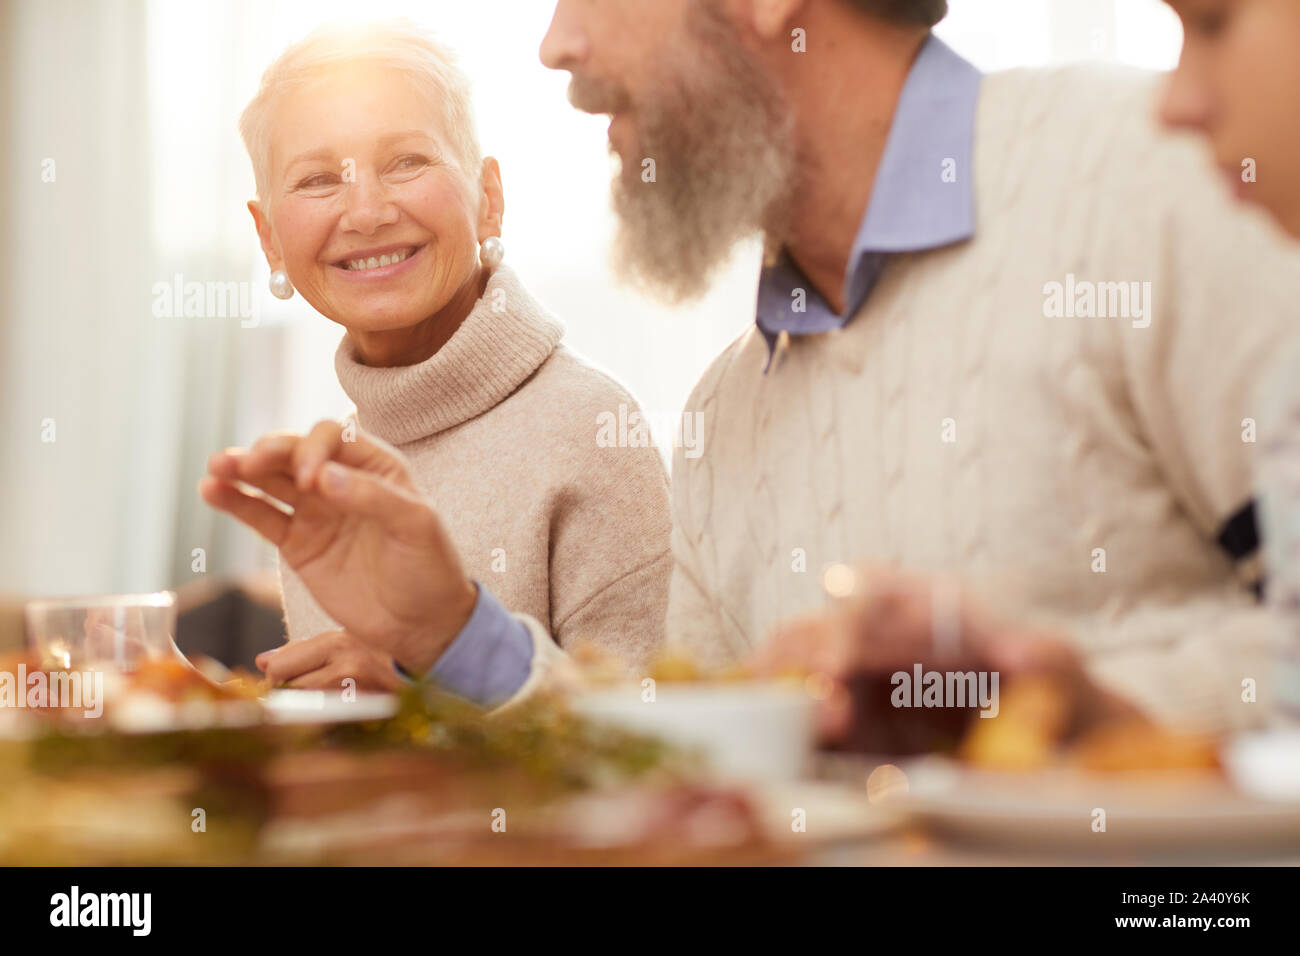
[919, 200]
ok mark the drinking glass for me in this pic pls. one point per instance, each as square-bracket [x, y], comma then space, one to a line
[114, 632]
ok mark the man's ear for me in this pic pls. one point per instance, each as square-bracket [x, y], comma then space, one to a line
[492, 200]
[265, 236]
[769, 18]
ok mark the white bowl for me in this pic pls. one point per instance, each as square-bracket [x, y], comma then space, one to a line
[745, 729]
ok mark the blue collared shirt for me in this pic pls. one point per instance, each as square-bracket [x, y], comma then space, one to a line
[491, 657]
[922, 197]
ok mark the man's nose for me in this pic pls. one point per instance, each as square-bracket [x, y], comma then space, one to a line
[565, 43]
[367, 206]
[1185, 103]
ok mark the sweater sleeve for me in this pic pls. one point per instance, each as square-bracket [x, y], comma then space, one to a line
[1223, 288]
[609, 556]
[609, 559]
[609, 573]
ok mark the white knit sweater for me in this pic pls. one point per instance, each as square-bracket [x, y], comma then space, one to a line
[952, 426]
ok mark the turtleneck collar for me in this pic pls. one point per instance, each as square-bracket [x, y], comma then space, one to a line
[504, 339]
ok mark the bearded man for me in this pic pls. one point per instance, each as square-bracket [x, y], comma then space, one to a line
[907, 411]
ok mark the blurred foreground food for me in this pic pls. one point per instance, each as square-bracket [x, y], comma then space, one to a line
[436, 783]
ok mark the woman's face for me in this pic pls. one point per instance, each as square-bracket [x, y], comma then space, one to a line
[370, 211]
[1238, 83]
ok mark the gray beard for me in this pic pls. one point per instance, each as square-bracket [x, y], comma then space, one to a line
[726, 165]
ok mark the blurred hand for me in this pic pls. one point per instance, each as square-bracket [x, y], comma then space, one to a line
[348, 519]
[323, 662]
[882, 621]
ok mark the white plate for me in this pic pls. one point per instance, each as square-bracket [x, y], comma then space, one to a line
[290, 706]
[751, 730]
[1060, 809]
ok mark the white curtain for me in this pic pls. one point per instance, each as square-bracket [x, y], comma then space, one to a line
[108, 408]
[88, 431]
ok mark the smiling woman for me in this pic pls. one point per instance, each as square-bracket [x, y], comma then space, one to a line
[376, 223]
[373, 201]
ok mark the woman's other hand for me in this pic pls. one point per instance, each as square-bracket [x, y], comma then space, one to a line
[325, 661]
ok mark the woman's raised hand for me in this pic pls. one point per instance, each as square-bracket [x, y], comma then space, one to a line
[345, 514]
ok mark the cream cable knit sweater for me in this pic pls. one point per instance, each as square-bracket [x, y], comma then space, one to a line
[500, 430]
[1079, 469]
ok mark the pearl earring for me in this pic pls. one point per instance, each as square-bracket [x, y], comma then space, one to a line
[280, 285]
[492, 251]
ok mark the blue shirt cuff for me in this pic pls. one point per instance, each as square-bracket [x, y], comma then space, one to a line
[491, 657]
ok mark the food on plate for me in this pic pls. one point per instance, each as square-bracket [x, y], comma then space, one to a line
[1031, 732]
[176, 680]
[1026, 732]
[1136, 746]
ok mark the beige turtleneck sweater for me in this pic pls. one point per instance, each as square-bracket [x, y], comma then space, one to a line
[500, 429]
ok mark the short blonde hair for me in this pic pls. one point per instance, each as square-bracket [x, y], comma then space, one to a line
[398, 45]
